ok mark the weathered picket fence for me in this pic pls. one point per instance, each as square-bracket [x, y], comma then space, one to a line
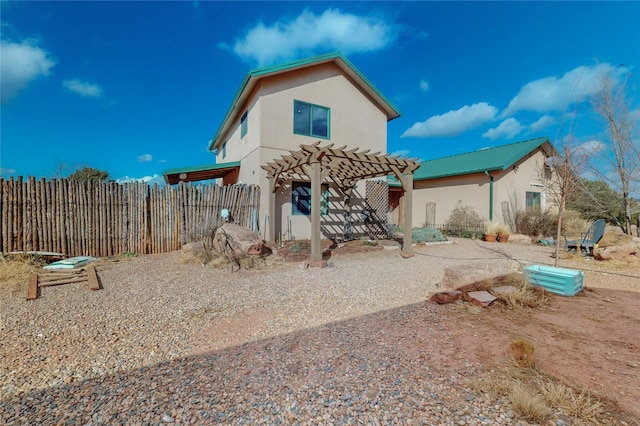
[106, 218]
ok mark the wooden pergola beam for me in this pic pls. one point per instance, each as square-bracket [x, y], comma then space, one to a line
[345, 168]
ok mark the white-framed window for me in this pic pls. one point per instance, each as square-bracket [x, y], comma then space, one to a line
[533, 200]
[311, 120]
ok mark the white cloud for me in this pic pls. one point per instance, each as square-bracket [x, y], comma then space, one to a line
[556, 94]
[590, 148]
[309, 34]
[156, 178]
[400, 152]
[162, 161]
[507, 129]
[453, 123]
[83, 88]
[542, 123]
[424, 86]
[144, 158]
[6, 171]
[20, 64]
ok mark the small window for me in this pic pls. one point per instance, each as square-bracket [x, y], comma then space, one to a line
[311, 120]
[301, 199]
[533, 200]
[243, 125]
[224, 149]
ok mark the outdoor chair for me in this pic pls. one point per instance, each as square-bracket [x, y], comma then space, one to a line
[587, 239]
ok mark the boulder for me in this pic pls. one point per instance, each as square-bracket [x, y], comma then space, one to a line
[627, 252]
[195, 253]
[520, 239]
[243, 240]
[459, 276]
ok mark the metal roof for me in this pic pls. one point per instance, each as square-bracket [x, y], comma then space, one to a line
[252, 77]
[196, 173]
[486, 159]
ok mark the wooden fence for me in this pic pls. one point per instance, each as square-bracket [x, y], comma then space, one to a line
[107, 218]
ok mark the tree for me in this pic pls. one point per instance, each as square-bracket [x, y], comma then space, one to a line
[559, 176]
[88, 174]
[595, 199]
[619, 164]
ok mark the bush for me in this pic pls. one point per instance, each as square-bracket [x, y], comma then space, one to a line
[536, 223]
[429, 235]
[464, 217]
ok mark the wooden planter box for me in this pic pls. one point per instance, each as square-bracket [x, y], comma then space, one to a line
[565, 282]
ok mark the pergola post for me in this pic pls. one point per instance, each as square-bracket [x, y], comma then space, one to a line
[408, 210]
[271, 226]
[316, 188]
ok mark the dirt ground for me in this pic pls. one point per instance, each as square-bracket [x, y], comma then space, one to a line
[597, 330]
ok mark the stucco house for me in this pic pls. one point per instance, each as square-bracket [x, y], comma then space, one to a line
[319, 101]
[496, 182]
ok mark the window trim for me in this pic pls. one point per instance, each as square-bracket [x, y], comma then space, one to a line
[324, 198]
[312, 106]
[533, 198]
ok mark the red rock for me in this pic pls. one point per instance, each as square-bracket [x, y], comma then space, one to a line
[446, 297]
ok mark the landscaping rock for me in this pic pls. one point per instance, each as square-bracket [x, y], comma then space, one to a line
[461, 275]
[446, 297]
[480, 298]
[628, 252]
[520, 239]
[244, 241]
[503, 290]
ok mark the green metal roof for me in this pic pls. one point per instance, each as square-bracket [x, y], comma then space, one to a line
[486, 159]
[251, 78]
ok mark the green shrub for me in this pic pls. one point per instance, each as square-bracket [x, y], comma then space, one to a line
[429, 235]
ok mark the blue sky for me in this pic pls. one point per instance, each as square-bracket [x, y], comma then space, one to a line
[136, 88]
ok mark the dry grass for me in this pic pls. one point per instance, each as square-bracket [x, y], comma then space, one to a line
[528, 404]
[535, 395]
[523, 353]
[524, 294]
[15, 271]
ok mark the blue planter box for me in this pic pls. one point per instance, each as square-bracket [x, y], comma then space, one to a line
[565, 282]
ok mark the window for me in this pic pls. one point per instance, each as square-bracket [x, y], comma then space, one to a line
[301, 199]
[310, 120]
[243, 125]
[533, 200]
[224, 149]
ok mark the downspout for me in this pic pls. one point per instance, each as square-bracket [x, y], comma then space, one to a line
[486, 172]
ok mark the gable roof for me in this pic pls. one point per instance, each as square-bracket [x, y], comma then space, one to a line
[252, 77]
[486, 159]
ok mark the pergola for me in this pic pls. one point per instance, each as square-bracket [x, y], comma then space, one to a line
[345, 168]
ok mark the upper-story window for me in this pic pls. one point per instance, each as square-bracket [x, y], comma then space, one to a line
[243, 125]
[310, 119]
[224, 149]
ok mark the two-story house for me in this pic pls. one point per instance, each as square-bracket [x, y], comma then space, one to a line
[279, 108]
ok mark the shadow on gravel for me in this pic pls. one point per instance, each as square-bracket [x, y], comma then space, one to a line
[406, 363]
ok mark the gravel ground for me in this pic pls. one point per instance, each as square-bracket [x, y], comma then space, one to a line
[170, 343]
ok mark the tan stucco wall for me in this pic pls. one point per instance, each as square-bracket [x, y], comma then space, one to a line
[354, 121]
[474, 190]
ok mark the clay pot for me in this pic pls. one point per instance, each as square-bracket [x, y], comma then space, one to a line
[490, 238]
[503, 238]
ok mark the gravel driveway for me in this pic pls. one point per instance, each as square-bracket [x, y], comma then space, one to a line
[170, 343]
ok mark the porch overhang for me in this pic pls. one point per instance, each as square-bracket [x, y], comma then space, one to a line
[227, 171]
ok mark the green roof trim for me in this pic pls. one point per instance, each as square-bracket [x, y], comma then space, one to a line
[300, 63]
[201, 168]
[480, 161]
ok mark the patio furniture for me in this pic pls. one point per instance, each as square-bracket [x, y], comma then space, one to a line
[587, 239]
